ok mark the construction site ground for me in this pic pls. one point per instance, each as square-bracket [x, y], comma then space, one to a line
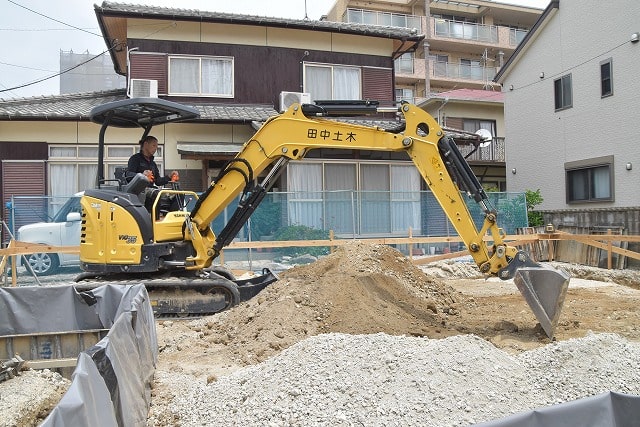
[368, 289]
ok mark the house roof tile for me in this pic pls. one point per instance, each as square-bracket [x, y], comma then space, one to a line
[156, 12]
[78, 107]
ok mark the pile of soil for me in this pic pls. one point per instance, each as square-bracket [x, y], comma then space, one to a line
[358, 289]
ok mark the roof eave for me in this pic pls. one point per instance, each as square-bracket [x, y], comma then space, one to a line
[550, 10]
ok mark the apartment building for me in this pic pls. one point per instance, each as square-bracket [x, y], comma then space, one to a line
[465, 44]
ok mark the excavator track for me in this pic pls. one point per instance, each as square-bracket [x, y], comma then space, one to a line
[183, 296]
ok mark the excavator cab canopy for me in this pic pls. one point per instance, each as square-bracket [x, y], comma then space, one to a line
[141, 112]
[136, 113]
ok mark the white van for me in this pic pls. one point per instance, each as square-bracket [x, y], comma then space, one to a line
[62, 230]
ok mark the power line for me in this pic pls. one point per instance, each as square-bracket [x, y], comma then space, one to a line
[572, 67]
[56, 74]
[53, 19]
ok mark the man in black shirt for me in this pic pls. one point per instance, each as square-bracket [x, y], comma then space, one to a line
[142, 162]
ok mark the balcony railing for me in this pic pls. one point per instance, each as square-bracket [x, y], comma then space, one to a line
[516, 36]
[466, 31]
[411, 68]
[360, 16]
[495, 152]
[462, 71]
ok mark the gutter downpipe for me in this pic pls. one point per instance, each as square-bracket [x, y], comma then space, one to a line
[129, 71]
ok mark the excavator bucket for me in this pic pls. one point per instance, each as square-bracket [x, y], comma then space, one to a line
[544, 289]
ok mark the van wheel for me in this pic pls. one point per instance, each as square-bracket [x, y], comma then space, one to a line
[43, 264]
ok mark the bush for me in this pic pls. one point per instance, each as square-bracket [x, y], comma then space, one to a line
[302, 232]
[534, 198]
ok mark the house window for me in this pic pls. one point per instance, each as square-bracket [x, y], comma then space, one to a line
[562, 92]
[606, 78]
[590, 180]
[201, 76]
[74, 168]
[355, 198]
[325, 81]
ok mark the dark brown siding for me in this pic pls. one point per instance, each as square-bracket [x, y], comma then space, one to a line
[262, 72]
[150, 66]
[20, 151]
[453, 122]
[377, 84]
[22, 179]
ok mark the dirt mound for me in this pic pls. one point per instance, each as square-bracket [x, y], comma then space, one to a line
[358, 289]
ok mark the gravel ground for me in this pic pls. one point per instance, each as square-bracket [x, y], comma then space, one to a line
[383, 380]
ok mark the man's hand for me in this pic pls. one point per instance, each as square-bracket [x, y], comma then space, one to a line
[149, 174]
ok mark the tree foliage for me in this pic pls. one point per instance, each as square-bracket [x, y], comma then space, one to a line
[533, 199]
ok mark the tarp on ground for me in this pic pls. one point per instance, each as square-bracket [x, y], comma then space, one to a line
[111, 385]
[604, 410]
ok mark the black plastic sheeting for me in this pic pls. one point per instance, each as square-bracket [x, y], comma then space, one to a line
[111, 385]
[604, 410]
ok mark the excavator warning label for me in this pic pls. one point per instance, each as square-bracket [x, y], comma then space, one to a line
[330, 136]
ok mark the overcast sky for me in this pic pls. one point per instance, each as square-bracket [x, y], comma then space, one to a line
[33, 32]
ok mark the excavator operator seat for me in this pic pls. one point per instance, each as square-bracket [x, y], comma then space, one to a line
[137, 184]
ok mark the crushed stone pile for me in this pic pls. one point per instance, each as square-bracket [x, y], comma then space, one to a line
[27, 399]
[383, 380]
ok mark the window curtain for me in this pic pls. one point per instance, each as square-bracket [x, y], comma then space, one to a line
[217, 77]
[375, 209]
[601, 188]
[64, 177]
[340, 185]
[346, 83]
[318, 82]
[405, 199]
[184, 75]
[304, 205]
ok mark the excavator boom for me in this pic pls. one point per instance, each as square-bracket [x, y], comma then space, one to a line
[291, 135]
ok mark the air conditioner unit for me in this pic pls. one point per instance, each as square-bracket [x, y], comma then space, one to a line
[142, 88]
[288, 98]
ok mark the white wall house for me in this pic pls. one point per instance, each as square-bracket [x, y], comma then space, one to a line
[572, 108]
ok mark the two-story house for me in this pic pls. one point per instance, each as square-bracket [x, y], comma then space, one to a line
[571, 114]
[237, 71]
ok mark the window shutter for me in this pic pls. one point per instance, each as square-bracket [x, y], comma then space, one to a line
[377, 84]
[152, 66]
[20, 178]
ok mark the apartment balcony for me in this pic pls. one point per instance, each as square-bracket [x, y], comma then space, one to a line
[389, 19]
[410, 70]
[447, 74]
[444, 34]
[494, 153]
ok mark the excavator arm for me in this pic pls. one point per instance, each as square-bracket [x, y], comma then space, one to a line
[291, 135]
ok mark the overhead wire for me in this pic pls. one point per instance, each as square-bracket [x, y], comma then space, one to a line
[70, 68]
[573, 67]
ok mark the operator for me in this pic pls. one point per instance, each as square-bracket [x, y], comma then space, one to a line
[142, 162]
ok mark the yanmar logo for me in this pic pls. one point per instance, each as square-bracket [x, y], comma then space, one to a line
[127, 238]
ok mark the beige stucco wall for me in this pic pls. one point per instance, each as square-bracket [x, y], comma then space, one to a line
[85, 133]
[258, 36]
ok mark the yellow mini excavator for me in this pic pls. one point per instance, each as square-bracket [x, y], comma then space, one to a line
[173, 257]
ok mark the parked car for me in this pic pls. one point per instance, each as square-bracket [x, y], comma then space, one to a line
[62, 230]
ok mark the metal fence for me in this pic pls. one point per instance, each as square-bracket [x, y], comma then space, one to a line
[296, 215]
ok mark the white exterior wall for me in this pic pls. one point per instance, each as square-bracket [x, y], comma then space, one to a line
[540, 140]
